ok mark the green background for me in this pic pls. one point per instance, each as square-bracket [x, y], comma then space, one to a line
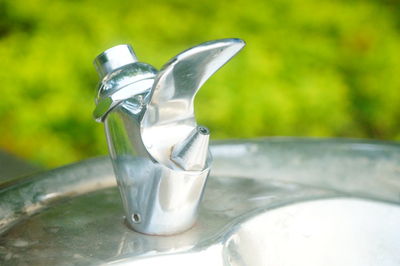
[310, 68]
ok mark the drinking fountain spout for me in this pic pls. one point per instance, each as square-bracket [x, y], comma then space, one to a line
[160, 155]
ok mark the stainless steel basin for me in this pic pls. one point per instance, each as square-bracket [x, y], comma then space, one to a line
[267, 202]
[322, 232]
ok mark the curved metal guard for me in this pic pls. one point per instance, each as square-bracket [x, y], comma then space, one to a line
[160, 155]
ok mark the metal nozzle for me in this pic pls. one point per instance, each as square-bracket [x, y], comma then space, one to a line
[191, 154]
[114, 58]
[160, 155]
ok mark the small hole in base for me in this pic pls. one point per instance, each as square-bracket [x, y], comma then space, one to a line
[136, 218]
[203, 130]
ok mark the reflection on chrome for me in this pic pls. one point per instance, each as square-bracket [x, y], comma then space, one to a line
[160, 155]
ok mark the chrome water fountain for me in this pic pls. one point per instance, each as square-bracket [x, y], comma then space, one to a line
[159, 153]
[268, 201]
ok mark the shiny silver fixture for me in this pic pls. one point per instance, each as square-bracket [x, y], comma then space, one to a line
[276, 201]
[160, 155]
[271, 201]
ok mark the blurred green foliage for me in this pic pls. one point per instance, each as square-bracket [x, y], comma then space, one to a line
[311, 68]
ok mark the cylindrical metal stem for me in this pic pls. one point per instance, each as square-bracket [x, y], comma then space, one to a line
[114, 58]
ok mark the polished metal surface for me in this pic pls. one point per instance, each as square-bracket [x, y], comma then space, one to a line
[160, 155]
[341, 231]
[267, 202]
[191, 154]
[114, 58]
